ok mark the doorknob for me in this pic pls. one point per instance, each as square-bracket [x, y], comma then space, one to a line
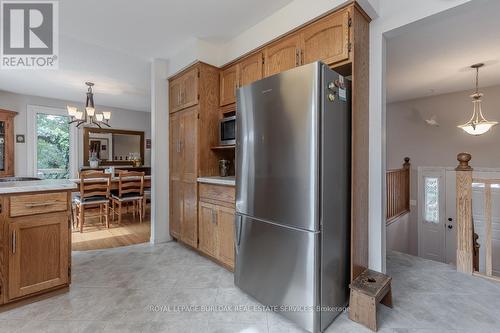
[450, 226]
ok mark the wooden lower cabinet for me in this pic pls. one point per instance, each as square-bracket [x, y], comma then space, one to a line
[38, 254]
[225, 235]
[176, 206]
[189, 221]
[207, 225]
[35, 244]
[216, 223]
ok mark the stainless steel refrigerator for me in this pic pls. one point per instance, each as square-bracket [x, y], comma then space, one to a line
[293, 193]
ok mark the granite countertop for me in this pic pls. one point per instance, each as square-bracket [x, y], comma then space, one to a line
[216, 180]
[36, 186]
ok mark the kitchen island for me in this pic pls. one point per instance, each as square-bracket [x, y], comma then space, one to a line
[35, 239]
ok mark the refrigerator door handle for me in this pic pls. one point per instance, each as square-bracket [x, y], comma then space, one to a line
[237, 231]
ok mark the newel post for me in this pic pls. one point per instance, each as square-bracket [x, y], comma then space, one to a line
[465, 246]
[406, 164]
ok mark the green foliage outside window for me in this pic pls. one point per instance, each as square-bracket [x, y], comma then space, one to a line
[52, 146]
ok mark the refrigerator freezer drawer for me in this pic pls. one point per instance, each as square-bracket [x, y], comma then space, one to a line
[279, 266]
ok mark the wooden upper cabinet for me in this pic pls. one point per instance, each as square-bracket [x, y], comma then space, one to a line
[282, 55]
[251, 69]
[175, 95]
[38, 253]
[189, 90]
[183, 91]
[7, 148]
[327, 40]
[228, 84]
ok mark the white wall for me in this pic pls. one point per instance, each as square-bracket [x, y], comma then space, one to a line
[409, 135]
[427, 146]
[120, 119]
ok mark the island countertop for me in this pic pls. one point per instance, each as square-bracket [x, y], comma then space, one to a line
[36, 186]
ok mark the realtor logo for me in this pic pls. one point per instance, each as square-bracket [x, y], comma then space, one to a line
[29, 32]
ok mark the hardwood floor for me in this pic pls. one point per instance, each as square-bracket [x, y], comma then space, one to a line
[95, 235]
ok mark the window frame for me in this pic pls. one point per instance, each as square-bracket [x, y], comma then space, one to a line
[32, 158]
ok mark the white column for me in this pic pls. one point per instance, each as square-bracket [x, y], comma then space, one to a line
[376, 226]
[159, 152]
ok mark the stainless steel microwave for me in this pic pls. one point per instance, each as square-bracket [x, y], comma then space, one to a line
[227, 131]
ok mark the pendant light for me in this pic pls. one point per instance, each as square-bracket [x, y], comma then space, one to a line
[477, 125]
[89, 116]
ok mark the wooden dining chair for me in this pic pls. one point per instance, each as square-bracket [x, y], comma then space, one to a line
[130, 190]
[95, 189]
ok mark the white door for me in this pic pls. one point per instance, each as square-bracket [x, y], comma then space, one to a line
[450, 223]
[431, 217]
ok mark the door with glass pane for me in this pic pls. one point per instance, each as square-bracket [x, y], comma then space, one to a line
[53, 142]
[431, 214]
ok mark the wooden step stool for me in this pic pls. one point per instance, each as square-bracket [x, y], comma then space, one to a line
[367, 290]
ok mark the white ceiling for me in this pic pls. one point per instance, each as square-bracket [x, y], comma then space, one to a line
[433, 56]
[111, 42]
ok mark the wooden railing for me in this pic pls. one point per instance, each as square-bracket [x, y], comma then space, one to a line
[398, 191]
[465, 227]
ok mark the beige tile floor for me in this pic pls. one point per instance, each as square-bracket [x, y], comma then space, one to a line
[113, 291]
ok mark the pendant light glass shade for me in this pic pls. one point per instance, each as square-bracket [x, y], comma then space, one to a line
[106, 114]
[478, 124]
[72, 110]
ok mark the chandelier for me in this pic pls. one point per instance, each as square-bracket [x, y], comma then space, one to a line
[88, 116]
[477, 125]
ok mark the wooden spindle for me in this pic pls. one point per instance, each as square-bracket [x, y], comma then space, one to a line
[488, 230]
[464, 214]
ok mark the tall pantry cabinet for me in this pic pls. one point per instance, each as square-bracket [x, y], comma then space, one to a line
[194, 101]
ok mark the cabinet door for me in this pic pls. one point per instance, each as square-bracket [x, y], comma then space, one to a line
[176, 173]
[175, 147]
[176, 208]
[207, 220]
[225, 235]
[189, 92]
[189, 222]
[189, 148]
[251, 69]
[38, 253]
[189, 144]
[327, 40]
[175, 95]
[282, 55]
[228, 85]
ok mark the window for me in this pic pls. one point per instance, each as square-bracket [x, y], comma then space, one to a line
[52, 144]
[431, 199]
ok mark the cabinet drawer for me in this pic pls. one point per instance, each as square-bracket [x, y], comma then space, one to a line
[217, 192]
[32, 204]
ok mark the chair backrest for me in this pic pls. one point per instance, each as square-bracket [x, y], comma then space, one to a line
[94, 183]
[130, 182]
